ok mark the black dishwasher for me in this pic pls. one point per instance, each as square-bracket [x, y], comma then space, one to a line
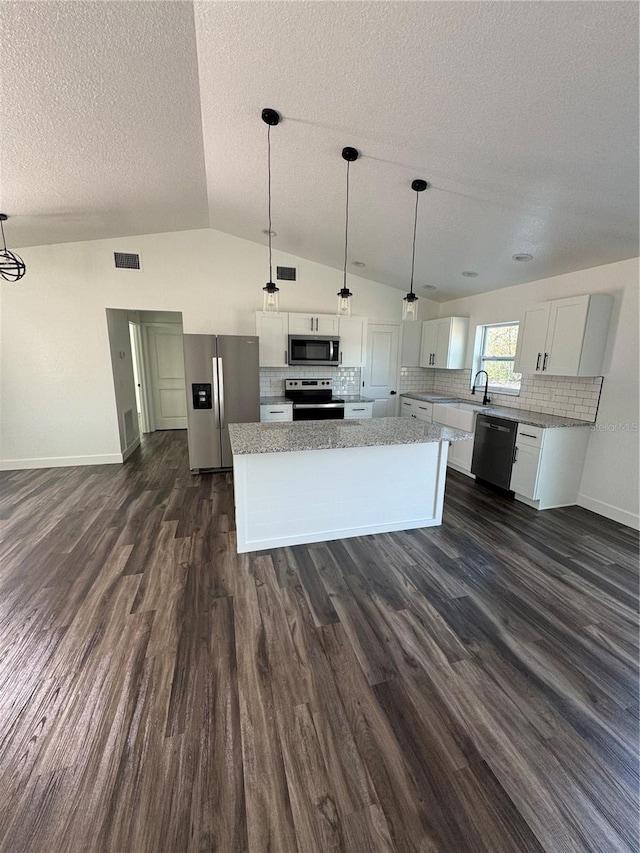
[493, 448]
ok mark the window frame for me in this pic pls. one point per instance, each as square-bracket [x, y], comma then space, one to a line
[482, 358]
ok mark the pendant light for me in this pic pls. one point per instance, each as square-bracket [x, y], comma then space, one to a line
[270, 301]
[12, 268]
[410, 303]
[345, 295]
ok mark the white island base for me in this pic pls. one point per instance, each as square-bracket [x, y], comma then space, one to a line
[291, 498]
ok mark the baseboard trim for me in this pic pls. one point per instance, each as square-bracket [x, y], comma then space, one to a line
[622, 516]
[133, 446]
[60, 462]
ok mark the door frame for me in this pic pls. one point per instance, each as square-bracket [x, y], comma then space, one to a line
[146, 411]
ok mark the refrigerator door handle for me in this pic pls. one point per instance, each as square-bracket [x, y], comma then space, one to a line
[216, 392]
[221, 392]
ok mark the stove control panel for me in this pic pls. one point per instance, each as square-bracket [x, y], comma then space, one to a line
[308, 384]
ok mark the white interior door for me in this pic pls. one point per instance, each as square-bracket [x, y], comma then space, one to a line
[166, 365]
[380, 374]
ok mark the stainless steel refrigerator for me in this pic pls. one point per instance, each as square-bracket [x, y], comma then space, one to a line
[223, 387]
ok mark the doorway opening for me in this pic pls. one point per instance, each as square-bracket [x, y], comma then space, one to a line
[148, 373]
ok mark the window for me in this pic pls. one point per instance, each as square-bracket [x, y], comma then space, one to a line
[497, 352]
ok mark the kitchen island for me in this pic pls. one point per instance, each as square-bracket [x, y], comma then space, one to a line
[313, 481]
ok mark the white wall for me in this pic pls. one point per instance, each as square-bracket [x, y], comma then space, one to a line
[610, 482]
[56, 385]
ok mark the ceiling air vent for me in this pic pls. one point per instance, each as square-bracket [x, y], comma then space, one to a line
[126, 261]
[286, 273]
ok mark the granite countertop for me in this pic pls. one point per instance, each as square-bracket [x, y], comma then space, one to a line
[274, 401]
[430, 397]
[330, 435]
[523, 416]
[348, 398]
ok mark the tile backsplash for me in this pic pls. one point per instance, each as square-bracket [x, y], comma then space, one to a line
[346, 380]
[416, 379]
[567, 396]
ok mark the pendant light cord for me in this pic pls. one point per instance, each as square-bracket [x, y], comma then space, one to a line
[413, 252]
[346, 231]
[269, 191]
[4, 242]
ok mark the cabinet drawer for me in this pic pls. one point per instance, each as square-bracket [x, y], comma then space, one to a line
[358, 410]
[530, 435]
[270, 414]
[424, 411]
[408, 408]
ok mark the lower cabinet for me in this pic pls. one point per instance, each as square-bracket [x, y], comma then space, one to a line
[276, 412]
[358, 410]
[460, 452]
[548, 463]
[410, 408]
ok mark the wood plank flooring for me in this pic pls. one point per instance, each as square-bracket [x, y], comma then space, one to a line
[472, 687]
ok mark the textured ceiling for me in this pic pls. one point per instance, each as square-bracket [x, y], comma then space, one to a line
[125, 118]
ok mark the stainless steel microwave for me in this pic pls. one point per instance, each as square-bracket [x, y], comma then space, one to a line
[306, 350]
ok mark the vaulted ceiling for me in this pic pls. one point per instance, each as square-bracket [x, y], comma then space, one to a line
[125, 118]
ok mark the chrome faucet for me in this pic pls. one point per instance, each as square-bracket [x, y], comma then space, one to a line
[486, 399]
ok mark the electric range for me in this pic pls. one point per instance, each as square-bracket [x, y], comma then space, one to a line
[313, 400]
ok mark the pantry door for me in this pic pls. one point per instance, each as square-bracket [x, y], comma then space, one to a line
[380, 375]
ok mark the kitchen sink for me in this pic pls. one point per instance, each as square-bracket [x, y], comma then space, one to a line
[469, 407]
[457, 415]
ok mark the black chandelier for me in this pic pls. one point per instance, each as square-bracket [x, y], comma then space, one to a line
[344, 294]
[270, 302]
[12, 267]
[409, 305]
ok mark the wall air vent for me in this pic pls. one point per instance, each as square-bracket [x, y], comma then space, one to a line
[286, 274]
[126, 261]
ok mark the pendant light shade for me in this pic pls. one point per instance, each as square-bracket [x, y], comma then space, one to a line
[345, 296]
[12, 267]
[270, 303]
[410, 302]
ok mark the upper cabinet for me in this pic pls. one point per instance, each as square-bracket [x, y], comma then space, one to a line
[320, 325]
[272, 329]
[353, 341]
[565, 337]
[444, 342]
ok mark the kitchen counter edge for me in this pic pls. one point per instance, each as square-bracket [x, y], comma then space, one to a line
[523, 416]
[336, 434]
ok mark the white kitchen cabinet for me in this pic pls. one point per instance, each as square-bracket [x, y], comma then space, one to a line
[353, 341]
[564, 337]
[358, 410]
[314, 325]
[276, 413]
[444, 343]
[424, 411]
[461, 417]
[420, 409]
[272, 330]
[408, 407]
[548, 463]
[411, 341]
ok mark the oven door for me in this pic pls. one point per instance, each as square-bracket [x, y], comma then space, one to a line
[318, 411]
[322, 351]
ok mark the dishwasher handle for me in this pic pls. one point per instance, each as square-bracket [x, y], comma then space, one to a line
[484, 425]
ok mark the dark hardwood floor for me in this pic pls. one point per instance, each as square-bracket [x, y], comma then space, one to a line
[472, 687]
